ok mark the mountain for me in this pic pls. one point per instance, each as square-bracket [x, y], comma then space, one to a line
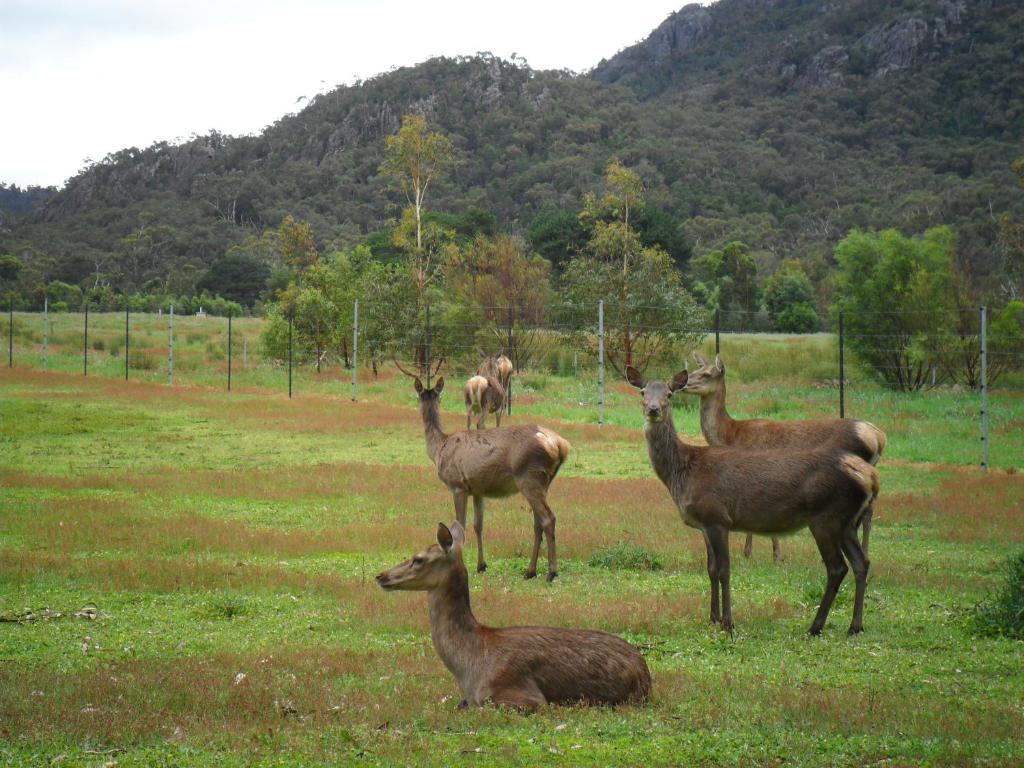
[783, 123]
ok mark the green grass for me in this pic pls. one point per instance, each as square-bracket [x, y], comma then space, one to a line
[229, 543]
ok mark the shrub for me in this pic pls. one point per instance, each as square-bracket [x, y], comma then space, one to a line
[797, 318]
[99, 345]
[1002, 615]
[141, 361]
[625, 557]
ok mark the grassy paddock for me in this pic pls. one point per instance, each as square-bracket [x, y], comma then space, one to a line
[186, 579]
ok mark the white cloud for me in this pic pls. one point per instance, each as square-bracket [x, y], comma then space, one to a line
[83, 79]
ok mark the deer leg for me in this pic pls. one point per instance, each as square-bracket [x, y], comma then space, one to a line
[527, 698]
[543, 522]
[860, 564]
[469, 416]
[776, 550]
[460, 498]
[497, 417]
[538, 533]
[719, 539]
[831, 554]
[748, 546]
[478, 526]
[865, 522]
[716, 614]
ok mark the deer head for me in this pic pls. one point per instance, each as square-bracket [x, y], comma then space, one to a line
[706, 379]
[656, 394]
[429, 568]
[427, 395]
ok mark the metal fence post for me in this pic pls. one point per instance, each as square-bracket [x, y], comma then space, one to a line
[428, 346]
[355, 347]
[10, 332]
[718, 330]
[229, 350]
[290, 354]
[600, 363]
[85, 342]
[984, 390]
[126, 339]
[46, 332]
[508, 394]
[170, 346]
[842, 371]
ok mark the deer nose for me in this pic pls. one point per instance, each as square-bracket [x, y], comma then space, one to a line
[654, 410]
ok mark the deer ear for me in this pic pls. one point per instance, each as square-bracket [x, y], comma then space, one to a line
[419, 386]
[458, 533]
[679, 380]
[700, 360]
[719, 364]
[444, 537]
[634, 377]
[439, 387]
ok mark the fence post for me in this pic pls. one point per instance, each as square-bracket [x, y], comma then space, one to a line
[718, 329]
[170, 346]
[600, 363]
[85, 343]
[229, 350]
[984, 390]
[508, 394]
[842, 371]
[428, 346]
[355, 347]
[10, 332]
[126, 339]
[290, 354]
[46, 332]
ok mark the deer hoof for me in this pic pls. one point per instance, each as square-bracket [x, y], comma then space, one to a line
[530, 575]
[552, 575]
[855, 629]
[481, 567]
[814, 631]
[463, 704]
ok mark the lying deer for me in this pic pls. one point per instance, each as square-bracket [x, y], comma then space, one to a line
[719, 490]
[859, 437]
[494, 464]
[485, 392]
[523, 667]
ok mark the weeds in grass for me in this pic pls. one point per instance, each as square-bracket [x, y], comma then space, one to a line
[1002, 614]
[625, 557]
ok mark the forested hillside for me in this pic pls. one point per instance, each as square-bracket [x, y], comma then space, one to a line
[780, 123]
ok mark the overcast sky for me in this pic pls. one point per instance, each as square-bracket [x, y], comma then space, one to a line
[82, 78]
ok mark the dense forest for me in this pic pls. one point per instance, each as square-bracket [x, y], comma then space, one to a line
[778, 124]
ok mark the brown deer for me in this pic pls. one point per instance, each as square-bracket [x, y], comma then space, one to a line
[522, 667]
[778, 492]
[505, 368]
[485, 392]
[860, 437]
[493, 464]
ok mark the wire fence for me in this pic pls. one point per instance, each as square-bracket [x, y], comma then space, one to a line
[923, 377]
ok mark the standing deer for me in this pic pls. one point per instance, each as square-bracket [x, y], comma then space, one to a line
[522, 667]
[778, 492]
[860, 437]
[493, 464]
[505, 368]
[485, 392]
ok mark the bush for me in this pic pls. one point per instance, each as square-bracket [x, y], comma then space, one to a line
[625, 557]
[797, 318]
[1002, 615]
[99, 345]
[141, 361]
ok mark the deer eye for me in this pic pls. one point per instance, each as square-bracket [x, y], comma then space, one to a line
[417, 560]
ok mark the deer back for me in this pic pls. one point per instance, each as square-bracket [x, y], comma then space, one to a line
[859, 437]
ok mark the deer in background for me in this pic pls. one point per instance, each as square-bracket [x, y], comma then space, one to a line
[718, 490]
[493, 464]
[522, 667]
[485, 392]
[858, 437]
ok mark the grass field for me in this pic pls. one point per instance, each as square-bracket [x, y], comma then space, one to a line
[186, 578]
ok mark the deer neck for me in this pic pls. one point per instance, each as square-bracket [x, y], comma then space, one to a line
[432, 429]
[453, 628]
[669, 455]
[714, 419]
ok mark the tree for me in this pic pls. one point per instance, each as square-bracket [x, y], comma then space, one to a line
[895, 293]
[557, 235]
[139, 254]
[1011, 244]
[237, 277]
[416, 158]
[10, 268]
[296, 243]
[726, 279]
[789, 299]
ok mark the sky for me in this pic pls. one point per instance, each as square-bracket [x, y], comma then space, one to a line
[80, 79]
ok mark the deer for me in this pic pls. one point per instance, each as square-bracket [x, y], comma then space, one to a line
[860, 437]
[505, 368]
[494, 464]
[485, 392]
[520, 667]
[769, 492]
